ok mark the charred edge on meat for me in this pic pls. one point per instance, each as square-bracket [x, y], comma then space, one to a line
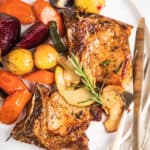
[23, 130]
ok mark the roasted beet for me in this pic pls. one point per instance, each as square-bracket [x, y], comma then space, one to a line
[9, 32]
[96, 112]
[33, 36]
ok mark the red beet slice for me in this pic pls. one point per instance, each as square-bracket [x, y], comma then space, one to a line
[9, 32]
[33, 36]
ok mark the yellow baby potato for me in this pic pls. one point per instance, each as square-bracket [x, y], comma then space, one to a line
[45, 56]
[90, 6]
[19, 61]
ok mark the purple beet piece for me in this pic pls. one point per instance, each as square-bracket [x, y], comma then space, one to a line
[9, 32]
[33, 36]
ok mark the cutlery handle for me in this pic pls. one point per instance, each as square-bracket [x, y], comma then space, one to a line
[137, 83]
[117, 141]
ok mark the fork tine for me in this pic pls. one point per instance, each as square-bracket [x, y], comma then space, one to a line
[147, 129]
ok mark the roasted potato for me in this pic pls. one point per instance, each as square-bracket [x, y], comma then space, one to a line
[45, 56]
[19, 61]
[91, 6]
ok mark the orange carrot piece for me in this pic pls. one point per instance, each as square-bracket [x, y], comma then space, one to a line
[2, 1]
[10, 83]
[13, 106]
[41, 76]
[19, 9]
[46, 13]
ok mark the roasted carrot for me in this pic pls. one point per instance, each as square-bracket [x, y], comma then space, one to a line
[10, 83]
[13, 106]
[45, 12]
[41, 76]
[19, 9]
[2, 1]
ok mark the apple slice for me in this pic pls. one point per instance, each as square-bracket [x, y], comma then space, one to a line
[77, 97]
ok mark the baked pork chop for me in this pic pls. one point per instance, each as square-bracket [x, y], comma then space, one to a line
[53, 124]
[102, 45]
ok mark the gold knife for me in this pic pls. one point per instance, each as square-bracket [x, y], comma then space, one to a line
[137, 82]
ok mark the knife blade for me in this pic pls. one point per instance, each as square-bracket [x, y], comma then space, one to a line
[137, 82]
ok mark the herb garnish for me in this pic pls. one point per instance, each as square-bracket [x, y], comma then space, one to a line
[79, 70]
[118, 68]
[105, 63]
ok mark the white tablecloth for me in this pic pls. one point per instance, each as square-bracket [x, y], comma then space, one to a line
[144, 8]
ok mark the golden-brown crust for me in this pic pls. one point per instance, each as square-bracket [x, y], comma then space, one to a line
[54, 124]
[64, 118]
[103, 46]
[113, 106]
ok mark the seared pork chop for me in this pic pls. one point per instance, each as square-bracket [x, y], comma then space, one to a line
[102, 45]
[53, 124]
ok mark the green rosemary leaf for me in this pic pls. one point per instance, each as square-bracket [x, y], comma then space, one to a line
[95, 96]
[118, 68]
[105, 63]
[89, 99]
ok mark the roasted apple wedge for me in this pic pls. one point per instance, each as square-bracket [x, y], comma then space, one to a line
[78, 97]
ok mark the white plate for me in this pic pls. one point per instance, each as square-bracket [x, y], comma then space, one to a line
[99, 139]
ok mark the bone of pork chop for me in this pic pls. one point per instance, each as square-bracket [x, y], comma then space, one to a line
[53, 124]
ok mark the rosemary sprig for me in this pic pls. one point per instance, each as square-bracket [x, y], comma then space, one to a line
[79, 70]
